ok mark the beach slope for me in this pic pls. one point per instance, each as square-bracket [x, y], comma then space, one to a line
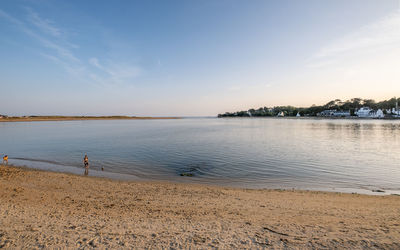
[46, 209]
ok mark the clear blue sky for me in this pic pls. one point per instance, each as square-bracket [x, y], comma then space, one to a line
[196, 58]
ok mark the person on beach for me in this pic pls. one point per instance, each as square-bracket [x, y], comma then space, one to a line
[5, 160]
[86, 163]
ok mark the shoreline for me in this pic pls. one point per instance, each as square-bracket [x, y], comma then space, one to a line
[116, 176]
[49, 209]
[352, 118]
[81, 118]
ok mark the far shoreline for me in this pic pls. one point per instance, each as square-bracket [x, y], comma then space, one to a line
[311, 117]
[81, 118]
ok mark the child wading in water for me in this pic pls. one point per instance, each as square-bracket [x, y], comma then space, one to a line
[86, 163]
[5, 160]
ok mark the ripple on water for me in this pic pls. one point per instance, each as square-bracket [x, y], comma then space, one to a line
[262, 153]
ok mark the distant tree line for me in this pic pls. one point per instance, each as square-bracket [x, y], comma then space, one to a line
[350, 105]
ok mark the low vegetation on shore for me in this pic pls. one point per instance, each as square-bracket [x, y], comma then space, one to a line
[350, 105]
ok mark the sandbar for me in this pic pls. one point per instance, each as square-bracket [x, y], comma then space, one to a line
[75, 118]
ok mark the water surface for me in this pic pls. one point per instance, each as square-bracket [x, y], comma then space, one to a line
[316, 154]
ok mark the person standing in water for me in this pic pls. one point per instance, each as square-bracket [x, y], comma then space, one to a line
[86, 163]
[5, 160]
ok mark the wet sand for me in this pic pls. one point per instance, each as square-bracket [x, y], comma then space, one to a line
[47, 209]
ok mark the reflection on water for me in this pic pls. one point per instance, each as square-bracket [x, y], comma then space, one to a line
[256, 153]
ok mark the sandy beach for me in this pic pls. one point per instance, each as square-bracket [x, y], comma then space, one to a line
[46, 209]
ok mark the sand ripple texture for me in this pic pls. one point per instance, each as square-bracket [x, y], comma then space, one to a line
[45, 210]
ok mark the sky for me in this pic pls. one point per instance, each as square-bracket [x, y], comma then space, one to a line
[194, 58]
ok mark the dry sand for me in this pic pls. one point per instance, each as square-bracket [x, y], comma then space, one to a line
[46, 209]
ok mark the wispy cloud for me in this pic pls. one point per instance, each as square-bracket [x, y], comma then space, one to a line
[45, 25]
[365, 62]
[11, 19]
[382, 34]
[121, 71]
[95, 62]
[116, 72]
[61, 51]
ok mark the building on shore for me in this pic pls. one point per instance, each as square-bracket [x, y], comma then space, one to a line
[327, 112]
[395, 112]
[379, 114]
[366, 112]
[334, 113]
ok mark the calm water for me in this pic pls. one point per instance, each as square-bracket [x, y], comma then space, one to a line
[336, 155]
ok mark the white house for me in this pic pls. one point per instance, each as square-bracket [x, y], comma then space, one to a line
[281, 114]
[379, 114]
[334, 112]
[395, 112]
[365, 112]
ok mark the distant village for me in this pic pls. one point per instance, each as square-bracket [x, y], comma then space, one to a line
[353, 108]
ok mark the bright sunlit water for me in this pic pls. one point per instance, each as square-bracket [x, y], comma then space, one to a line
[316, 154]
